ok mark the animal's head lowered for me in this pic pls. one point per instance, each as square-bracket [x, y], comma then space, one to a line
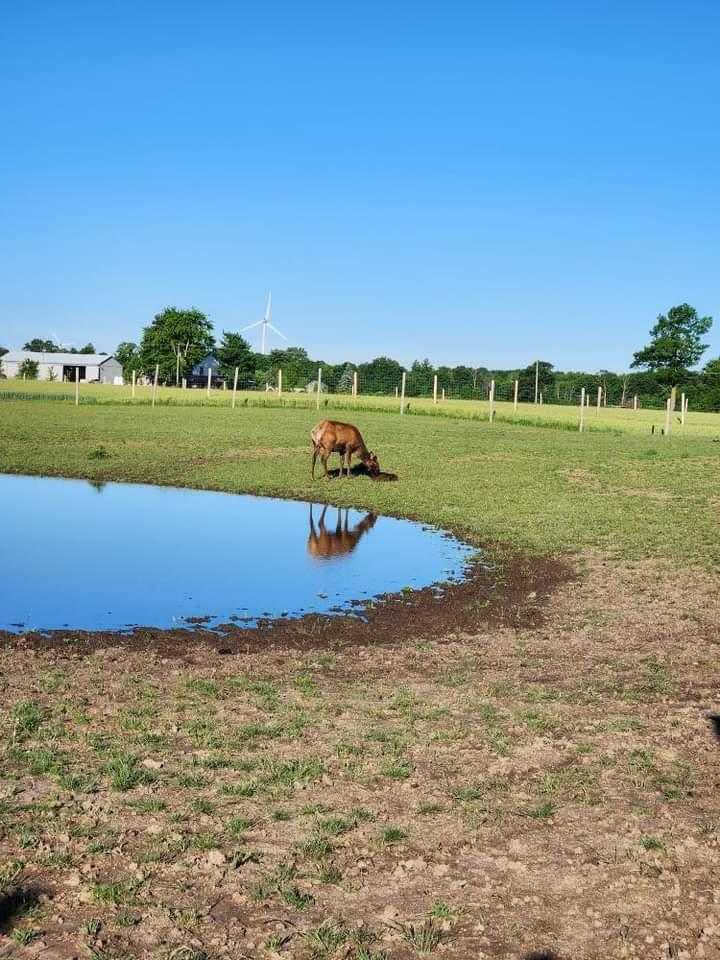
[373, 464]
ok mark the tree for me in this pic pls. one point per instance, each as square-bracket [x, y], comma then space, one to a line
[38, 345]
[545, 380]
[128, 355]
[420, 379]
[234, 351]
[28, 369]
[381, 375]
[675, 344]
[710, 385]
[345, 383]
[295, 364]
[88, 348]
[3, 351]
[189, 331]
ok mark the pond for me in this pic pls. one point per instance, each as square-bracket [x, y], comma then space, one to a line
[112, 556]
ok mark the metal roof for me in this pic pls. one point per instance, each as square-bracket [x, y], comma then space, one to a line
[66, 359]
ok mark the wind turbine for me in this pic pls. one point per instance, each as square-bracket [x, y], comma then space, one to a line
[265, 323]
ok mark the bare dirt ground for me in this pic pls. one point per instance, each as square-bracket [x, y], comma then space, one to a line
[544, 781]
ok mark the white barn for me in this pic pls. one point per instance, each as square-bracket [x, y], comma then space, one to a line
[96, 367]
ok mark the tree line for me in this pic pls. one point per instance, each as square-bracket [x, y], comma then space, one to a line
[177, 340]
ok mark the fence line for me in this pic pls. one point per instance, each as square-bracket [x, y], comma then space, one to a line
[406, 394]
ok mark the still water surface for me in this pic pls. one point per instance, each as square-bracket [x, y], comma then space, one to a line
[89, 556]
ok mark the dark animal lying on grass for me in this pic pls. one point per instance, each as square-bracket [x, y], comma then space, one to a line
[331, 436]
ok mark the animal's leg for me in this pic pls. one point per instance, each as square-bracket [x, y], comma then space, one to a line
[348, 457]
[324, 460]
[312, 467]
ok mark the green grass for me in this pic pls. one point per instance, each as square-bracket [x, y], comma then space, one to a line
[561, 416]
[538, 489]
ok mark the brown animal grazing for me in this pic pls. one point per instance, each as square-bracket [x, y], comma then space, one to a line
[324, 543]
[330, 436]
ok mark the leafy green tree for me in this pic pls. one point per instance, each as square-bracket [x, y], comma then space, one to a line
[128, 355]
[379, 376]
[28, 369]
[345, 382]
[176, 340]
[88, 348]
[675, 345]
[296, 365]
[38, 345]
[526, 378]
[234, 351]
[3, 351]
[710, 385]
[420, 379]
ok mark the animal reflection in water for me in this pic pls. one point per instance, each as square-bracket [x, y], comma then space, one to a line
[325, 543]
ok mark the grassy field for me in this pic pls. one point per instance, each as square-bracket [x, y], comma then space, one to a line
[539, 489]
[548, 415]
[545, 787]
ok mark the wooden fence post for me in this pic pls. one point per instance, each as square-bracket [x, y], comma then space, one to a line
[155, 382]
[319, 388]
[133, 384]
[77, 386]
[537, 379]
[682, 409]
[443, 393]
[184, 383]
[235, 380]
[541, 398]
[599, 401]
[355, 383]
[435, 389]
[668, 416]
[515, 396]
[279, 381]
[582, 409]
[402, 393]
[492, 400]
[209, 380]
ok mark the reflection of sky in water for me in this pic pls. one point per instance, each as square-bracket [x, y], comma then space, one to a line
[108, 556]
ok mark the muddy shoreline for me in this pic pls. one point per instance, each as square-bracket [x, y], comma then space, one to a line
[511, 592]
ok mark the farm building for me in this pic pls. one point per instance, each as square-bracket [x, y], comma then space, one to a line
[63, 366]
[199, 374]
[209, 363]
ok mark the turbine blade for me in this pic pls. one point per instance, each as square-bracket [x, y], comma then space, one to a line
[275, 330]
[268, 306]
[252, 325]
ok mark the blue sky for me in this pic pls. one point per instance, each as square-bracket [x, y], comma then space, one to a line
[478, 183]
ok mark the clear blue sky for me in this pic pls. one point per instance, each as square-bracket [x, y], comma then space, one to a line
[478, 183]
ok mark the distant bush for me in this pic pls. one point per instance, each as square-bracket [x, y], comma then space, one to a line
[28, 369]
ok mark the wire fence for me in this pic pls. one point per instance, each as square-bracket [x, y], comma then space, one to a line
[438, 387]
[559, 407]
